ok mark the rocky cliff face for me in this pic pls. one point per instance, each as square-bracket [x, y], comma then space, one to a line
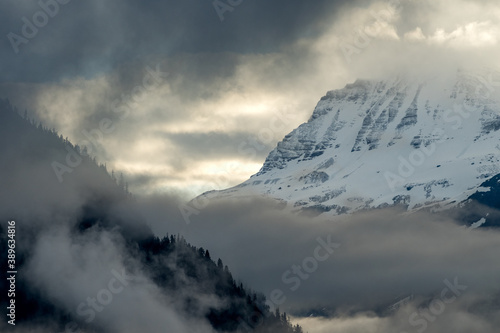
[375, 144]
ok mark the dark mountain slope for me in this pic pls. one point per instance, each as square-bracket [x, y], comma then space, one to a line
[76, 214]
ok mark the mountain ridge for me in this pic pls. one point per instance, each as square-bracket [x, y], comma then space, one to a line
[375, 144]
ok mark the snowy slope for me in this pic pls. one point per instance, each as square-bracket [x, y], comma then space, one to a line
[376, 144]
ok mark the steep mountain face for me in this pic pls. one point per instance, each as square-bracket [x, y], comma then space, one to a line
[417, 143]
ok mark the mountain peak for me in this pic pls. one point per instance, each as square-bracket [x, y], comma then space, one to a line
[375, 143]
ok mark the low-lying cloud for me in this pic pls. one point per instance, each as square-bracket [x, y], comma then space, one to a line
[378, 259]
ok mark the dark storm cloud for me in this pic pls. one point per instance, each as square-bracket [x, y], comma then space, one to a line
[88, 37]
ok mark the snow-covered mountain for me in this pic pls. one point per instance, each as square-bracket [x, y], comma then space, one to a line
[417, 143]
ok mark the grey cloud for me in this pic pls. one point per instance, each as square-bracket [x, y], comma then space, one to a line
[382, 255]
[216, 145]
[88, 37]
[143, 182]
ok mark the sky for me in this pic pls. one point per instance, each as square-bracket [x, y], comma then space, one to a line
[191, 96]
[188, 96]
